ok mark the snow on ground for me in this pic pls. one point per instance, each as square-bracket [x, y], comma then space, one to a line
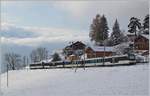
[102, 81]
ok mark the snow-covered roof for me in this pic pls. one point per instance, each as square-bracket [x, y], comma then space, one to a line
[128, 33]
[119, 49]
[147, 29]
[124, 44]
[146, 36]
[101, 48]
[46, 61]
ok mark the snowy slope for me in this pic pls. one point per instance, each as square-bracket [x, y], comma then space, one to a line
[102, 81]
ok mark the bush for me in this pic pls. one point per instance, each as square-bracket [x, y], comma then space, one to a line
[56, 57]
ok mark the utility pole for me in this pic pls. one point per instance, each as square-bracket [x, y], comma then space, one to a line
[0, 63]
[84, 59]
[7, 76]
[72, 53]
[104, 50]
[0, 68]
[27, 66]
[1, 94]
[134, 45]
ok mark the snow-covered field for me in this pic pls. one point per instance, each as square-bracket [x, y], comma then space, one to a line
[102, 81]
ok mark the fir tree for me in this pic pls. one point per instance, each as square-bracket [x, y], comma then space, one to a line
[146, 22]
[103, 28]
[95, 29]
[134, 25]
[99, 29]
[116, 34]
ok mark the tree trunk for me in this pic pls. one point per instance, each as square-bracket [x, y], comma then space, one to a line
[13, 66]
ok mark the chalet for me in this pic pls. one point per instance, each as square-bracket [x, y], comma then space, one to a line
[98, 51]
[76, 45]
[74, 50]
[141, 41]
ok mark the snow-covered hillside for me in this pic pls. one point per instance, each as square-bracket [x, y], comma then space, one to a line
[102, 81]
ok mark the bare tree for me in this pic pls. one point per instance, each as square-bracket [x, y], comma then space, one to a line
[39, 54]
[25, 61]
[42, 53]
[33, 56]
[13, 60]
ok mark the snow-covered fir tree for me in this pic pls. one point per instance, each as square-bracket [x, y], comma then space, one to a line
[134, 25]
[104, 28]
[146, 22]
[115, 35]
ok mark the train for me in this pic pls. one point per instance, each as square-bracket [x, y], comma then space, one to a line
[127, 59]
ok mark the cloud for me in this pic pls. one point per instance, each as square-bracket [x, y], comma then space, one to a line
[85, 11]
[82, 8]
[34, 36]
[75, 8]
[80, 11]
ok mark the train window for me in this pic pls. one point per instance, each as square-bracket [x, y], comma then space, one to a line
[131, 56]
[93, 61]
[99, 60]
[85, 61]
[96, 60]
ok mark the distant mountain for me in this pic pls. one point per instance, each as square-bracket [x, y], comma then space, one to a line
[19, 32]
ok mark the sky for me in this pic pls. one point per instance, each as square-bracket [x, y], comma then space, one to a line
[53, 24]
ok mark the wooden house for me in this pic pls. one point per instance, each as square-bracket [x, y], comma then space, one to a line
[74, 50]
[142, 42]
[98, 51]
